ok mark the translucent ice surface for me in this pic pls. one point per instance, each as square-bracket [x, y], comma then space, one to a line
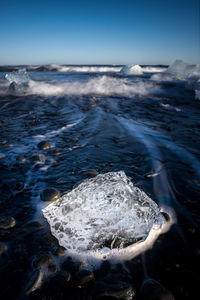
[131, 70]
[19, 81]
[105, 211]
[18, 77]
[179, 70]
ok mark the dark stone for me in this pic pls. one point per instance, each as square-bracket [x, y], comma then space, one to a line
[34, 224]
[153, 290]
[75, 139]
[166, 216]
[7, 223]
[105, 267]
[43, 260]
[39, 158]
[57, 250]
[2, 247]
[44, 145]
[19, 186]
[56, 286]
[90, 173]
[4, 234]
[20, 158]
[116, 140]
[118, 290]
[84, 276]
[70, 266]
[53, 268]
[50, 194]
[34, 281]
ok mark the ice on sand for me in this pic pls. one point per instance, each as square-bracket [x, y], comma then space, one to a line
[107, 210]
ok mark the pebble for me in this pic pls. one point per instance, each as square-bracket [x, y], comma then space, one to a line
[50, 194]
[90, 173]
[43, 260]
[53, 268]
[44, 145]
[19, 186]
[39, 158]
[20, 158]
[34, 282]
[150, 175]
[57, 251]
[7, 222]
[2, 247]
[55, 286]
[117, 290]
[71, 266]
[116, 140]
[152, 290]
[84, 276]
[4, 234]
[75, 139]
[166, 216]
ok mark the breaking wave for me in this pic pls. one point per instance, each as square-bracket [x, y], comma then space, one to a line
[80, 68]
[103, 85]
[88, 69]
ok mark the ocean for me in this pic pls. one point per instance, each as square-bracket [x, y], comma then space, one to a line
[99, 132]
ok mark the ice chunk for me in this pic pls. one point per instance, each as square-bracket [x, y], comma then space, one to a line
[105, 211]
[18, 81]
[131, 70]
[19, 77]
[179, 70]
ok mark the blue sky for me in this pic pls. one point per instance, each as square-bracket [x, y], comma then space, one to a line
[99, 31]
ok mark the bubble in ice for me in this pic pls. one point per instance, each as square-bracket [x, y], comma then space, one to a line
[107, 211]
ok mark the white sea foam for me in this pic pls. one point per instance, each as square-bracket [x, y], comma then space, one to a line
[153, 69]
[104, 85]
[87, 69]
[105, 209]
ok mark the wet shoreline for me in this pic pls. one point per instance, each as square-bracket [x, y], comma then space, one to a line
[154, 139]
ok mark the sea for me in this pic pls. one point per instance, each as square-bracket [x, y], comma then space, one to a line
[67, 125]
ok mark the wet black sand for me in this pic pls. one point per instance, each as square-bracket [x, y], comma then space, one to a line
[98, 141]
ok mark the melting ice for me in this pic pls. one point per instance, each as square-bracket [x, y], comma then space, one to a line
[18, 81]
[105, 211]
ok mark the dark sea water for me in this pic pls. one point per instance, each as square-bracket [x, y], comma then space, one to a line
[96, 118]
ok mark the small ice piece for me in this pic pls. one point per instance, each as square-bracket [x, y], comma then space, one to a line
[131, 70]
[102, 209]
[19, 77]
[18, 81]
